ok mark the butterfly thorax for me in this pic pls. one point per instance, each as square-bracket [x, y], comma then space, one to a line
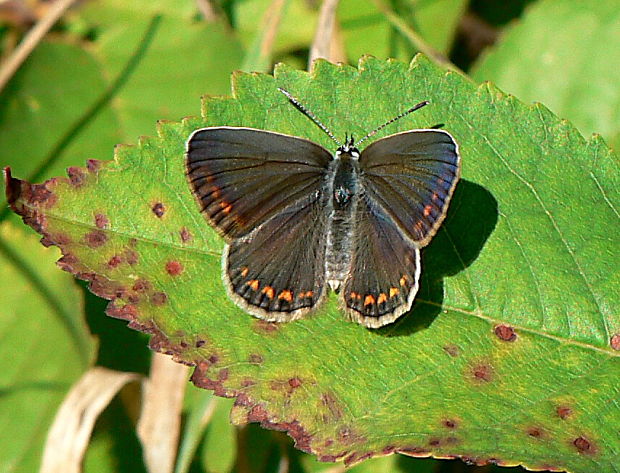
[343, 184]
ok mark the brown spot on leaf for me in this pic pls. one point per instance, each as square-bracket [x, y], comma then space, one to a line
[564, 412]
[417, 452]
[247, 382]
[333, 407]
[93, 165]
[213, 359]
[131, 257]
[126, 312]
[40, 195]
[615, 341]
[535, 432]
[255, 358]
[114, 261]
[67, 262]
[434, 442]
[76, 176]
[200, 343]
[174, 268]
[101, 221]
[223, 374]
[505, 333]
[482, 372]
[95, 239]
[257, 413]
[141, 285]
[158, 209]
[159, 298]
[450, 423]
[185, 235]
[264, 327]
[294, 383]
[452, 350]
[583, 445]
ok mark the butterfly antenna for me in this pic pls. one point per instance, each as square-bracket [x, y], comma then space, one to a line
[309, 114]
[389, 122]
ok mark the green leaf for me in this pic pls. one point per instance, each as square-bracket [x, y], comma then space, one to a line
[366, 30]
[510, 354]
[43, 108]
[219, 447]
[45, 345]
[545, 58]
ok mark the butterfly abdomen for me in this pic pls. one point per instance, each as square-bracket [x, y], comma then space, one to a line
[343, 184]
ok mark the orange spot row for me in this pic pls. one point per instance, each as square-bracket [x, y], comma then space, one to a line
[226, 207]
[369, 299]
[286, 295]
[427, 210]
[269, 292]
[253, 283]
[306, 295]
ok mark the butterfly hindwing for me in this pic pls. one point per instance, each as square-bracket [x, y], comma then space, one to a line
[412, 175]
[242, 177]
[385, 268]
[277, 272]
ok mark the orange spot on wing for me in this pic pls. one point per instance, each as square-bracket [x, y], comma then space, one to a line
[369, 300]
[215, 192]
[427, 210]
[419, 225]
[403, 280]
[382, 298]
[286, 295]
[226, 207]
[394, 291]
[269, 292]
[306, 295]
[353, 295]
[253, 283]
[244, 271]
[435, 197]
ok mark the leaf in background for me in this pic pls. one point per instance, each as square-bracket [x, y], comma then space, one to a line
[564, 54]
[219, 447]
[164, 56]
[510, 354]
[367, 31]
[45, 345]
[41, 110]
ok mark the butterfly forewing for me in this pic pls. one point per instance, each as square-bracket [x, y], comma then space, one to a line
[277, 272]
[242, 177]
[412, 175]
[385, 268]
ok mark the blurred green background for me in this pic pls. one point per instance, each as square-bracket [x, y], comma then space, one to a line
[108, 70]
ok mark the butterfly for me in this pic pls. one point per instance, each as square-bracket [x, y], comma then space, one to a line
[298, 219]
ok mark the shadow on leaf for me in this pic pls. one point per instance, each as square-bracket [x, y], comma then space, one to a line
[471, 219]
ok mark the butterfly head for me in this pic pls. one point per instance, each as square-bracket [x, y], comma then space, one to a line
[348, 147]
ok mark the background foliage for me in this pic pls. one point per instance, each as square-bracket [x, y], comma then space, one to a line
[109, 70]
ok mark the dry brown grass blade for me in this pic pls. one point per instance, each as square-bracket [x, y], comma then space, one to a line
[160, 421]
[322, 45]
[30, 41]
[69, 435]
